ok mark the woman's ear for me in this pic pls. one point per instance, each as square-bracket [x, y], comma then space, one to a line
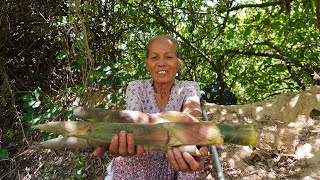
[147, 65]
[179, 64]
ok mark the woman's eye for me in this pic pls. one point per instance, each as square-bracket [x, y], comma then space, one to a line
[169, 57]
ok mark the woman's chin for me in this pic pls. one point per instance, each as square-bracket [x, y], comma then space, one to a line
[163, 80]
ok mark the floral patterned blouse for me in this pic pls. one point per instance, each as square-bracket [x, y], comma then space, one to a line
[152, 165]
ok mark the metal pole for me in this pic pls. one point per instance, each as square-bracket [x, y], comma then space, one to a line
[216, 159]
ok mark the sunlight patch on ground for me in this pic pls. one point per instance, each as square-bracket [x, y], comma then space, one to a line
[304, 151]
[294, 101]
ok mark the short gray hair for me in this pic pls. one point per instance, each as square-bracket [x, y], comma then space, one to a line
[164, 37]
[171, 39]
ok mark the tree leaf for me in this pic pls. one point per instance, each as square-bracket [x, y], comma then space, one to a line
[62, 54]
[4, 154]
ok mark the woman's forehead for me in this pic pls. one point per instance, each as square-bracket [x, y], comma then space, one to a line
[162, 44]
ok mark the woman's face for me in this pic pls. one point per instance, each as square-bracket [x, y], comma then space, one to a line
[162, 61]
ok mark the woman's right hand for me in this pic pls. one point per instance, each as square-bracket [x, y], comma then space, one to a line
[122, 144]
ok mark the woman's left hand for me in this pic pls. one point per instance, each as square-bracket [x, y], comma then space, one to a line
[183, 161]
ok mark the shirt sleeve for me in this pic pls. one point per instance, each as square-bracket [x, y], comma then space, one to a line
[192, 91]
[133, 99]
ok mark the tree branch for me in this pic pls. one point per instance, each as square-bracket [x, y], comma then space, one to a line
[261, 5]
[318, 12]
[224, 25]
[255, 53]
[235, 8]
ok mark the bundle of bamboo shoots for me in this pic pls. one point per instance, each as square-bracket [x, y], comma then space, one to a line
[155, 132]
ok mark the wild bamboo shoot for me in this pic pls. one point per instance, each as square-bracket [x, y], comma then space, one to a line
[156, 132]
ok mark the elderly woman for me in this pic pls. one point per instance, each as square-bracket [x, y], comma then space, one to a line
[159, 94]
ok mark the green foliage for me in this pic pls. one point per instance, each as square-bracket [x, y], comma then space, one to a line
[248, 49]
[9, 134]
[79, 167]
[255, 38]
[40, 108]
[4, 154]
[116, 98]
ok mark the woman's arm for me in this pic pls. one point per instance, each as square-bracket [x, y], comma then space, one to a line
[191, 102]
[192, 107]
[184, 161]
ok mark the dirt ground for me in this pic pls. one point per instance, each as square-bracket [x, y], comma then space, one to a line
[296, 155]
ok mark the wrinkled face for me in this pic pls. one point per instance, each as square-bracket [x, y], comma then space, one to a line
[162, 61]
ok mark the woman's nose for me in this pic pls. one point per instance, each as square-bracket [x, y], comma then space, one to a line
[161, 62]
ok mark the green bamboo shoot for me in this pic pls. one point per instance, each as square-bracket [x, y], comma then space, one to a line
[157, 132]
[162, 134]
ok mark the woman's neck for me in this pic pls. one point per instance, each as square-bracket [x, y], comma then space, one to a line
[163, 89]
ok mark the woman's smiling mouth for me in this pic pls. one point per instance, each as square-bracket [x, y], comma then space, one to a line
[162, 72]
